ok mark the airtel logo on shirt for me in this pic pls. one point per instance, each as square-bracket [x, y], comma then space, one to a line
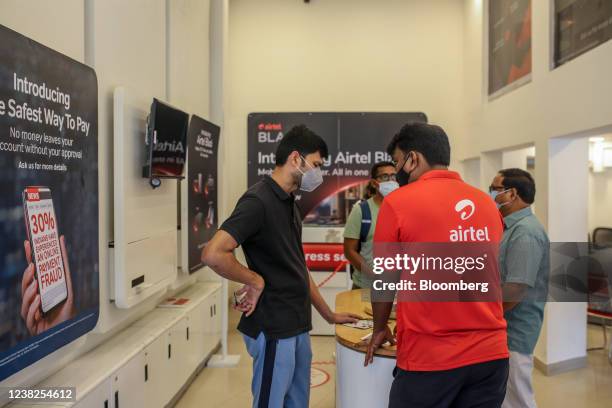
[465, 210]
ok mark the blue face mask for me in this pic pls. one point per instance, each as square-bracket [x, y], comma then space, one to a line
[387, 187]
[493, 194]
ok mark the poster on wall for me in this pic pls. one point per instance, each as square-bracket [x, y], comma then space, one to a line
[202, 182]
[49, 265]
[509, 44]
[580, 26]
[355, 141]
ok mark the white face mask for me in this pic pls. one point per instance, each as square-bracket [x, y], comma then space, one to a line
[494, 195]
[311, 178]
[387, 187]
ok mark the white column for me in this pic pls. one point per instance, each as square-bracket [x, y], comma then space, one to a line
[219, 20]
[562, 344]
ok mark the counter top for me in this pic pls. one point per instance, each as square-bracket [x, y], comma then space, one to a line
[351, 302]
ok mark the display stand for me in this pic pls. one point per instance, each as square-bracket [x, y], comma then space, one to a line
[356, 385]
[143, 254]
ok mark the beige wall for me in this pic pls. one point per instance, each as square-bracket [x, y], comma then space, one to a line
[156, 47]
[358, 55]
[572, 98]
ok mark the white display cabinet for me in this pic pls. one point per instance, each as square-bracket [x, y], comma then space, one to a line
[204, 318]
[128, 385]
[99, 397]
[212, 321]
[124, 388]
[147, 364]
[156, 392]
[143, 251]
[177, 370]
[196, 327]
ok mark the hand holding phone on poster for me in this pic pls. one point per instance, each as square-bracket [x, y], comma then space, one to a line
[31, 302]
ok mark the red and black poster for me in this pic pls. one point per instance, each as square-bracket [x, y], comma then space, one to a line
[355, 141]
[202, 182]
[509, 43]
[580, 25]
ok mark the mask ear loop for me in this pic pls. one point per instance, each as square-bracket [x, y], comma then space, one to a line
[401, 168]
[302, 158]
[507, 202]
[408, 157]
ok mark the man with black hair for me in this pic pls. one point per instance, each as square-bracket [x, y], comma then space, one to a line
[525, 265]
[278, 289]
[449, 354]
[361, 224]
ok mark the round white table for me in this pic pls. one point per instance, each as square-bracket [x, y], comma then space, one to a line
[358, 386]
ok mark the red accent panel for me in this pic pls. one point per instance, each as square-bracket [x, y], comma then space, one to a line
[324, 257]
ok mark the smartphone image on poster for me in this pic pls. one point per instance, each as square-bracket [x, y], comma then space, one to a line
[42, 231]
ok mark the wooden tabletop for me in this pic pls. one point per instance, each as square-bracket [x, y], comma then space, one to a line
[351, 301]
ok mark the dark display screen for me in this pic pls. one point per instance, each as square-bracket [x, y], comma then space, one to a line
[168, 130]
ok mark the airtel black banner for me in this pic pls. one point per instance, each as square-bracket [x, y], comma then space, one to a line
[202, 204]
[355, 141]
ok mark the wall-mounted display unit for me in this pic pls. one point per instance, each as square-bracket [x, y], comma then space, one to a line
[166, 140]
[199, 201]
[509, 45]
[49, 252]
[355, 141]
[144, 247]
[580, 26]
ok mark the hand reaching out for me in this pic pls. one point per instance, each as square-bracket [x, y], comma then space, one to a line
[340, 318]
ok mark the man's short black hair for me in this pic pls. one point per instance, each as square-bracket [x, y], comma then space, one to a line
[302, 140]
[429, 140]
[377, 166]
[522, 181]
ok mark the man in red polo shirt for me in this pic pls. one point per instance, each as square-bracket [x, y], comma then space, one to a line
[449, 354]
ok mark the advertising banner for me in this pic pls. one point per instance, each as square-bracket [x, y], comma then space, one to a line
[202, 182]
[49, 267]
[355, 141]
[580, 25]
[324, 256]
[509, 43]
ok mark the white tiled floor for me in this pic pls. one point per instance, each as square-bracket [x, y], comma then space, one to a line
[230, 387]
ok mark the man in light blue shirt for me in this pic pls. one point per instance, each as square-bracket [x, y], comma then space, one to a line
[525, 265]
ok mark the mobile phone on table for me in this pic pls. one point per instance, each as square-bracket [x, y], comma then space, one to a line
[43, 235]
[361, 324]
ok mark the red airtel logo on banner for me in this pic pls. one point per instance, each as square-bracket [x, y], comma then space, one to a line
[324, 257]
[270, 126]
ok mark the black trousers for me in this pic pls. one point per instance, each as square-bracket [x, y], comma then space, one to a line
[480, 385]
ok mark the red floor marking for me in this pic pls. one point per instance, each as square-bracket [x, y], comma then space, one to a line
[318, 377]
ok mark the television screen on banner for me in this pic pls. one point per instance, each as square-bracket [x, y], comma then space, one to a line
[166, 141]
